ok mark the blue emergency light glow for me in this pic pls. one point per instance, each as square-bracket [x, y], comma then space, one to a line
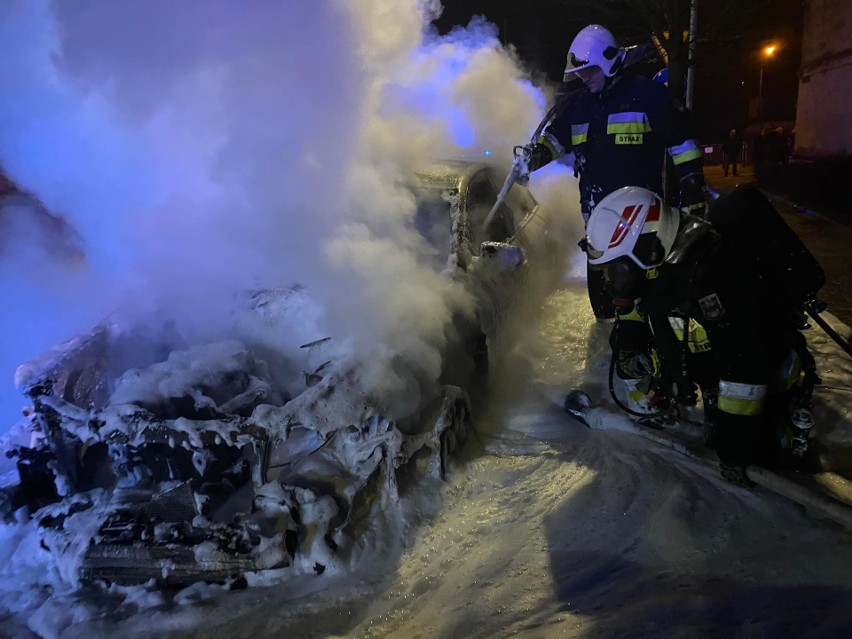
[488, 153]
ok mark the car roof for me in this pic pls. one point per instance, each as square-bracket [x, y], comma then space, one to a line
[449, 174]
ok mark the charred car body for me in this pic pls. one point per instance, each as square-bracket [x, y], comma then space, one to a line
[199, 465]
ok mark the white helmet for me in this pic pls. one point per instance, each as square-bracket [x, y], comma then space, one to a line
[632, 222]
[594, 46]
[629, 233]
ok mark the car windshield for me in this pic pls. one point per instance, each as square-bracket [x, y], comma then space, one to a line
[432, 221]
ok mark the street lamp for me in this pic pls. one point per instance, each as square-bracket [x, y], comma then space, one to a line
[766, 53]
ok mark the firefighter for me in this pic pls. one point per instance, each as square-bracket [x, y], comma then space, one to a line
[620, 127]
[692, 312]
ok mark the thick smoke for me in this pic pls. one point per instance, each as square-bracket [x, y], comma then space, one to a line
[425, 98]
[202, 147]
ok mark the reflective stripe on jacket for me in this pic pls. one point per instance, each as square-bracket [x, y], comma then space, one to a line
[621, 136]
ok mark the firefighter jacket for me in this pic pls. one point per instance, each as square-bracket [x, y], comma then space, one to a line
[620, 137]
[734, 342]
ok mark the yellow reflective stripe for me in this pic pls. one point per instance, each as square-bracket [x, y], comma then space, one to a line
[658, 364]
[741, 399]
[680, 158]
[633, 316]
[579, 133]
[699, 342]
[684, 152]
[746, 407]
[552, 145]
[628, 122]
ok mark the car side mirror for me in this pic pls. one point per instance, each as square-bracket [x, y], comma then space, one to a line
[501, 255]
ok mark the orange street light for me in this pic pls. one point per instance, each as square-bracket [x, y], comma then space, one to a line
[767, 52]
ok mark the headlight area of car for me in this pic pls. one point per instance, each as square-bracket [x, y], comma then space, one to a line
[196, 469]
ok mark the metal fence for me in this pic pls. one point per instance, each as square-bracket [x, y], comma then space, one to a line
[715, 154]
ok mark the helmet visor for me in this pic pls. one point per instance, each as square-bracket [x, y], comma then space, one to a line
[575, 63]
[574, 67]
[593, 253]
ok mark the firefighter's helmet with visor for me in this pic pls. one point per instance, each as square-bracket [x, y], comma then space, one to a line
[594, 46]
[630, 232]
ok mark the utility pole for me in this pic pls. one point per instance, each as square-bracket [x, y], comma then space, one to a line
[690, 71]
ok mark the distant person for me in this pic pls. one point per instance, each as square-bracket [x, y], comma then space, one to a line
[620, 126]
[731, 150]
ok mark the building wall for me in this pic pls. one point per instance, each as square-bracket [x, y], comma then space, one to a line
[824, 113]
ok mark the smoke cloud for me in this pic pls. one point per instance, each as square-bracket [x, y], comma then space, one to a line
[204, 147]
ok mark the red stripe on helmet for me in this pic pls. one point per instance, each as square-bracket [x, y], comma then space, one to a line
[628, 216]
[653, 213]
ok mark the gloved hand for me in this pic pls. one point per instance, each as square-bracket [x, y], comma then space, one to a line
[633, 365]
[536, 155]
[736, 475]
[693, 195]
[521, 163]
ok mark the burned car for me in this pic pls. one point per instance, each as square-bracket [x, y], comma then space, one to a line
[198, 463]
[510, 262]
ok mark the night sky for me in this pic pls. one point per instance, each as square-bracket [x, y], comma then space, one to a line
[726, 79]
